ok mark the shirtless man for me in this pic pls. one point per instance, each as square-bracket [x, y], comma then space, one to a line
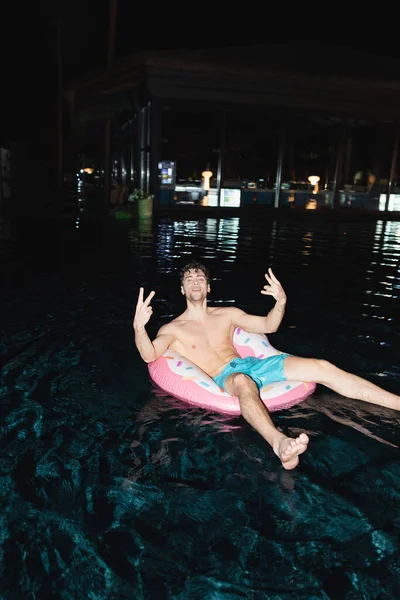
[204, 334]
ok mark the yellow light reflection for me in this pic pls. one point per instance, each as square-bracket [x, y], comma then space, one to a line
[311, 204]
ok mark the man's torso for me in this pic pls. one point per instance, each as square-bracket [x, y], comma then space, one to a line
[208, 343]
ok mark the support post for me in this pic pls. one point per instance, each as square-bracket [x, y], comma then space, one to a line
[279, 166]
[221, 153]
[60, 141]
[108, 124]
[155, 147]
[341, 149]
[393, 167]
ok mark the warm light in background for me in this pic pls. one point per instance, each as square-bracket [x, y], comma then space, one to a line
[311, 204]
[313, 179]
[206, 176]
[88, 170]
[371, 181]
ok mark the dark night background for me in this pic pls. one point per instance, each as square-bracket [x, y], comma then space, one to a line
[29, 44]
[108, 489]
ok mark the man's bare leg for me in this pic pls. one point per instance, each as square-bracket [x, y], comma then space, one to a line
[346, 384]
[257, 415]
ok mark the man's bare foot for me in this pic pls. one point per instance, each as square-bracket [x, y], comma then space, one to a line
[288, 450]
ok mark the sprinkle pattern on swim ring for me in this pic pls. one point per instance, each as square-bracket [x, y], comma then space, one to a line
[183, 379]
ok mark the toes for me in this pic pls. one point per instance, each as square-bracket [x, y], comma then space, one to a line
[289, 448]
[292, 448]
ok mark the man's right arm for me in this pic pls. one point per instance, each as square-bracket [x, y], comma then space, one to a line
[151, 350]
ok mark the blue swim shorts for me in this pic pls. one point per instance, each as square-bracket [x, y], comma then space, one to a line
[261, 370]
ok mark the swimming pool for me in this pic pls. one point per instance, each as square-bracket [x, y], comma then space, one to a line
[111, 489]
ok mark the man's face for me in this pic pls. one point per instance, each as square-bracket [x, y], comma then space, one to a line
[194, 285]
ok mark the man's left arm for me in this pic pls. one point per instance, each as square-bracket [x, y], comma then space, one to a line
[270, 323]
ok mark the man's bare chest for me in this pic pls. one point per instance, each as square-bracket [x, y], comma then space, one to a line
[214, 332]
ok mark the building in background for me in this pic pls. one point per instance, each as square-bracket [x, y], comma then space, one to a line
[262, 119]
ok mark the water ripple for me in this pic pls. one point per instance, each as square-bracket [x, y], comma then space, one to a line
[113, 489]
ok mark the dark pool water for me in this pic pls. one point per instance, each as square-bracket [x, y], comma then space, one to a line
[110, 489]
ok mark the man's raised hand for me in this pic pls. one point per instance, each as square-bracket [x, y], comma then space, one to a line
[143, 310]
[274, 288]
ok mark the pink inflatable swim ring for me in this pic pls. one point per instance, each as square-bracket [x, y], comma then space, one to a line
[181, 378]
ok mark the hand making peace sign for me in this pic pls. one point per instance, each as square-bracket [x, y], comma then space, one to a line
[143, 310]
[274, 288]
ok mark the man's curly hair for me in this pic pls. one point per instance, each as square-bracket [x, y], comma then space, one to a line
[196, 266]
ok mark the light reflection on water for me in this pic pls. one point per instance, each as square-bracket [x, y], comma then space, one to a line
[341, 280]
[345, 258]
[134, 493]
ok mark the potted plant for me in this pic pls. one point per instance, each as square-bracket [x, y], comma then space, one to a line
[143, 201]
